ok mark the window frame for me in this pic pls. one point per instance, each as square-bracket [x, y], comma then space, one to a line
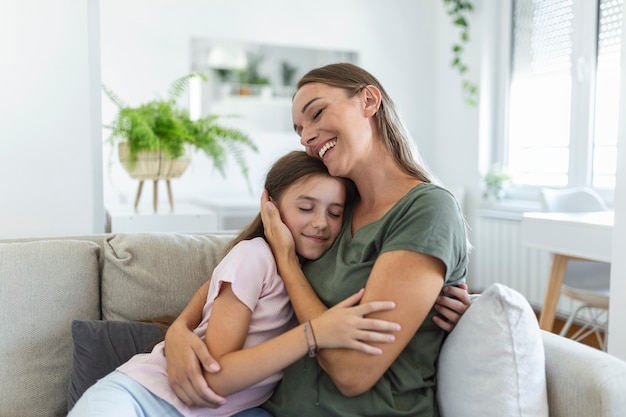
[497, 79]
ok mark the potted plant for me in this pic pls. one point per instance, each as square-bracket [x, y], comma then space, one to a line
[495, 183]
[155, 138]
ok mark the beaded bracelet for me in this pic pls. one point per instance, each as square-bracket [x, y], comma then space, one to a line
[310, 339]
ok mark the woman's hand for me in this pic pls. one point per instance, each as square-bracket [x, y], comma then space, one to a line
[451, 308]
[185, 355]
[276, 232]
[346, 326]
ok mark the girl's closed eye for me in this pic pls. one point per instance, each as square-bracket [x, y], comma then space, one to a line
[335, 215]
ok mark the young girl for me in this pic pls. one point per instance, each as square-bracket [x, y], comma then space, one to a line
[247, 317]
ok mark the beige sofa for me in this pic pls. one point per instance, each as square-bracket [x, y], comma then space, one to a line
[45, 284]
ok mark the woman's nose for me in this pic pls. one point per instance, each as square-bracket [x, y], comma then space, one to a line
[307, 137]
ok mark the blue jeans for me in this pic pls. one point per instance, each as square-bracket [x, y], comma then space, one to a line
[119, 395]
[254, 412]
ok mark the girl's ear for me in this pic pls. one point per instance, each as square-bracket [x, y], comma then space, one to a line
[371, 100]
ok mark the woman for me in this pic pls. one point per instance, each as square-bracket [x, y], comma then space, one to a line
[403, 240]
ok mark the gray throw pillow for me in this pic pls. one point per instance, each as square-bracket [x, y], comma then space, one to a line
[100, 346]
[155, 274]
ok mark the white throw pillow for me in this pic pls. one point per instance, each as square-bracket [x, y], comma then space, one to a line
[493, 362]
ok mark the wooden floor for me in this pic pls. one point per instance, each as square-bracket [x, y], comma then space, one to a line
[590, 340]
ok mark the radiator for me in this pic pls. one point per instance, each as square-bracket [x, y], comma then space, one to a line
[498, 256]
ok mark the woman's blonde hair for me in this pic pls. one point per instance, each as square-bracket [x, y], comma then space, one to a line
[352, 79]
[285, 172]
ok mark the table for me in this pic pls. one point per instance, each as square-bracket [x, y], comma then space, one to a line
[568, 236]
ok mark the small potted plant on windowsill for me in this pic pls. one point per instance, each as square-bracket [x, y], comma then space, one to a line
[155, 138]
[495, 183]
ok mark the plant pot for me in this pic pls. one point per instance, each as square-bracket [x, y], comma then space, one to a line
[153, 165]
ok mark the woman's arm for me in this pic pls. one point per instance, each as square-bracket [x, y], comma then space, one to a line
[282, 244]
[410, 279]
[450, 308]
[342, 326]
[187, 356]
[413, 281]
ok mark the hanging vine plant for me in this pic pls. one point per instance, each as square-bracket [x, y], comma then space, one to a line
[458, 11]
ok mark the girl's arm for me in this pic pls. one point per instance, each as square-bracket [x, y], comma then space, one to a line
[342, 326]
[187, 356]
[451, 308]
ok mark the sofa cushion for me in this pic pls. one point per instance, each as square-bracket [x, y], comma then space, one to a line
[100, 346]
[148, 275]
[493, 363]
[44, 285]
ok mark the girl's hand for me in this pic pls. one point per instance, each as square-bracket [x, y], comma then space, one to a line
[346, 326]
[451, 308]
[276, 231]
[186, 355]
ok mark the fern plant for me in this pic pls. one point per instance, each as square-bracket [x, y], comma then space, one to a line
[161, 125]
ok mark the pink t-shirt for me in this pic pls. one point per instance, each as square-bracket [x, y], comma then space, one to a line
[251, 269]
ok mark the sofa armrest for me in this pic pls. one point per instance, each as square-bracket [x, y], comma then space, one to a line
[583, 381]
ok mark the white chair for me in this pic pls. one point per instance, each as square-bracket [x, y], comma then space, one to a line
[585, 281]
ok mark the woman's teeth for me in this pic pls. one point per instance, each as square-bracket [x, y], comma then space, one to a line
[326, 147]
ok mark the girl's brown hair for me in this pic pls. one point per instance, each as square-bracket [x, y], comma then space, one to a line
[286, 171]
[352, 79]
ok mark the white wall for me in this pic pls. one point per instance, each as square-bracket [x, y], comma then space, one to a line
[50, 155]
[146, 45]
[454, 156]
[53, 69]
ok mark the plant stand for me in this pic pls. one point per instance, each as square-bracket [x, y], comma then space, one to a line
[154, 166]
[155, 198]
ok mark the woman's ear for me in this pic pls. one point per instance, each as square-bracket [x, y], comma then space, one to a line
[371, 99]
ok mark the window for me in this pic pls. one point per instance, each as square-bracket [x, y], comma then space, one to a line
[564, 92]
[607, 94]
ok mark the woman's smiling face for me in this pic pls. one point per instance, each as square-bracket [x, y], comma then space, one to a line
[312, 209]
[332, 126]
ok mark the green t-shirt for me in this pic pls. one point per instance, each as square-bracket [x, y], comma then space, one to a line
[426, 220]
